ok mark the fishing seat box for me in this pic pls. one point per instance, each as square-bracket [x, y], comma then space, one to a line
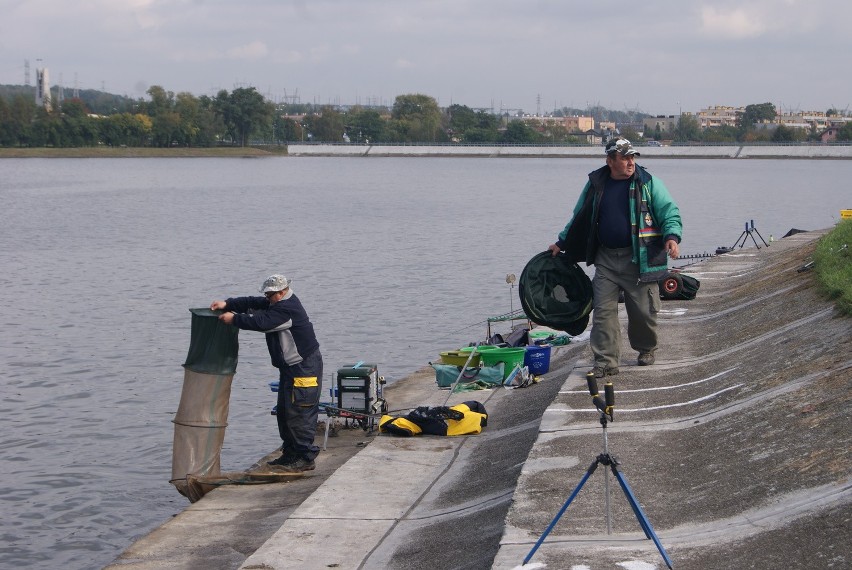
[358, 387]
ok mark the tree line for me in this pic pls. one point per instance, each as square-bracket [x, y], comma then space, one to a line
[243, 116]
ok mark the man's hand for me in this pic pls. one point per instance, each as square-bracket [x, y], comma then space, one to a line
[227, 318]
[673, 248]
[554, 249]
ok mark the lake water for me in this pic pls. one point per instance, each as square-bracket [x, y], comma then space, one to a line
[395, 260]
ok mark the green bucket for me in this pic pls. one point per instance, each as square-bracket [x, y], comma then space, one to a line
[540, 334]
[510, 357]
[480, 349]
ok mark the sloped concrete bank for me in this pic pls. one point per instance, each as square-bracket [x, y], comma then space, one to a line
[736, 444]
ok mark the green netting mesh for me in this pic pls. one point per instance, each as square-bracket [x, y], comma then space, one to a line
[556, 293]
[213, 345]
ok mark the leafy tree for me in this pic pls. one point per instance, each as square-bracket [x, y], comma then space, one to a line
[486, 130]
[365, 125]
[166, 129]
[630, 134]
[188, 109]
[788, 134]
[139, 129]
[74, 108]
[112, 132]
[124, 129]
[752, 135]
[416, 118]
[46, 129]
[518, 132]
[77, 131]
[844, 133]
[286, 129]
[753, 114]
[165, 121]
[5, 136]
[722, 133]
[461, 119]
[687, 129]
[485, 134]
[243, 112]
[328, 125]
[210, 125]
[466, 125]
[162, 101]
[17, 128]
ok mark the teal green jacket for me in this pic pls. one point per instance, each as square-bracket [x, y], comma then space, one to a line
[654, 218]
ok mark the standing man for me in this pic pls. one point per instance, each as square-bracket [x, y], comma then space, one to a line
[294, 350]
[625, 223]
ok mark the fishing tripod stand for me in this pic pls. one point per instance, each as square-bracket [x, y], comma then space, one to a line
[605, 407]
[749, 232]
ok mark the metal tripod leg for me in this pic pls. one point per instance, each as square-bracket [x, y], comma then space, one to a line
[552, 524]
[640, 516]
[760, 236]
[607, 459]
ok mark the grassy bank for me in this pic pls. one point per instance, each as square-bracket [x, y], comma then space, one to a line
[141, 152]
[833, 264]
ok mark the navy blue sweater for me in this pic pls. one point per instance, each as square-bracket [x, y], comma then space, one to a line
[289, 333]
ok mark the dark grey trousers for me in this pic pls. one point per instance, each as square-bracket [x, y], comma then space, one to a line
[298, 406]
[615, 271]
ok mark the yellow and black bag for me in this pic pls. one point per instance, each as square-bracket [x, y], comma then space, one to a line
[462, 419]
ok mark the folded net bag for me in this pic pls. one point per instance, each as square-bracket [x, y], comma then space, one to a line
[556, 293]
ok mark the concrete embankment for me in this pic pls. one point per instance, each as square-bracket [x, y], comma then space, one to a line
[498, 151]
[735, 443]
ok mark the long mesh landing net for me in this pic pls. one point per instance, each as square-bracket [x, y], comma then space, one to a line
[202, 415]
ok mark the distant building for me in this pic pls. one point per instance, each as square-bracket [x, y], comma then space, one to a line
[42, 94]
[829, 134]
[810, 120]
[719, 116]
[578, 124]
[592, 137]
[574, 124]
[666, 124]
[815, 120]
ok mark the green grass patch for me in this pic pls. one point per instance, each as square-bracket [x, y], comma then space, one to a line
[833, 265]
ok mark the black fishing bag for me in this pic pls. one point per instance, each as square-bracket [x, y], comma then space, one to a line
[679, 286]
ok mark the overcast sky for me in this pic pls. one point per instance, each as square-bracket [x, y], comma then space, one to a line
[657, 56]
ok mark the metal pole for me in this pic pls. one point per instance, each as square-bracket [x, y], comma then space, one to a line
[606, 483]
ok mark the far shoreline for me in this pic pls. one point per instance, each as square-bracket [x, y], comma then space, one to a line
[142, 152]
[296, 150]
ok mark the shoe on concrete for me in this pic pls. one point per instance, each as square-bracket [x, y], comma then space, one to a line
[604, 371]
[285, 459]
[646, 358]
[297, 465]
